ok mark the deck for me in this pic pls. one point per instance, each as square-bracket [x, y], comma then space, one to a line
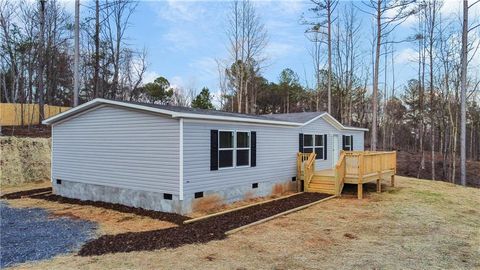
[353, 167]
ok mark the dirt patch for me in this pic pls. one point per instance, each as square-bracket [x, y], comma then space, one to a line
[213, 228]
[35, 194]
[350, 236]
[109, 221]
[24, 160]
[208, 204]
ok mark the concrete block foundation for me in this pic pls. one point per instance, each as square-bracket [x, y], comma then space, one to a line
[155, 200]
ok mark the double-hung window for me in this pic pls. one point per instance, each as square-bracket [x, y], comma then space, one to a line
[226, 148]
[348, 143]
[314, 143]
[243, 148]
[319, 146]
[234, 149]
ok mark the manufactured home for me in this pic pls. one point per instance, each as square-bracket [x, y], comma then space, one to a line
[167, 158]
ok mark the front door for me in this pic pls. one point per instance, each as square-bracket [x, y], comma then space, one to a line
[336, 152]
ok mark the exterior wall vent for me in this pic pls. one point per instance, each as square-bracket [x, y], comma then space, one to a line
[167, 196]
[255, 185]
[59, 181]
[294, 179]
[198, 194]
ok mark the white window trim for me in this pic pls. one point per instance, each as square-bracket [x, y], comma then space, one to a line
[234, 152]
[249, 148]
[226, 149]
[313, 147]
[350, 137]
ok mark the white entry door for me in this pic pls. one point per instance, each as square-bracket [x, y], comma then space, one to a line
[335, 152]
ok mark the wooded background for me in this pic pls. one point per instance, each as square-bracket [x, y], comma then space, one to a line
[358, 88]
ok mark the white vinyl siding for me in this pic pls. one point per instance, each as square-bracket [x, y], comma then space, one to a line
[118, 147]
[276, 156]
[320, 126]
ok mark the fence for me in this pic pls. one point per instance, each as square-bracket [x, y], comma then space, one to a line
[17, 114]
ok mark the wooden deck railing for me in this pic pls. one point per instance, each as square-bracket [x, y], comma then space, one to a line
[340, 171]
[352, 167]
[366, 166]
[309, 170]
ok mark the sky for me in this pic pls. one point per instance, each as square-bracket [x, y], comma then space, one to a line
[185, 38]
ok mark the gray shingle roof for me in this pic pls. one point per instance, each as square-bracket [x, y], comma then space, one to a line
[290, 119]
[300, 117]
[205, 112]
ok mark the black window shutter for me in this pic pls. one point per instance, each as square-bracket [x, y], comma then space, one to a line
[253, 150]
[343, 142]
[213, 150]
[300, 143]
[351, 142]
[325, 146]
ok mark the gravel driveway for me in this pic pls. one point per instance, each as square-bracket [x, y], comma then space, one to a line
[29, 234]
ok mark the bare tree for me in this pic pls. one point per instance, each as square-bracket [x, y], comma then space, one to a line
[116, 16]
[322, 24]
[388, 15]
[76, 75]
[41, 59]
[247, 41]
[463, 94]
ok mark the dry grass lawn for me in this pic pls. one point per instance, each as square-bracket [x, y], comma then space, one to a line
[418, 225]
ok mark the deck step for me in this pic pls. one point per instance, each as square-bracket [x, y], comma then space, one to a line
[326, 191]
[323, 178]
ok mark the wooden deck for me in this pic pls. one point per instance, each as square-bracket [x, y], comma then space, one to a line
[353, 167]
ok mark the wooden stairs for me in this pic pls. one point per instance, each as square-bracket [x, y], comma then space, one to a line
[322, 182]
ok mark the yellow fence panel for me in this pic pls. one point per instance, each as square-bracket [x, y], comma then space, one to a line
[17, 114]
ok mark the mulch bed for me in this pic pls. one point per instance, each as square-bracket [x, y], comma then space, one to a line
[203, 231]
[25, 193]
[41, 193]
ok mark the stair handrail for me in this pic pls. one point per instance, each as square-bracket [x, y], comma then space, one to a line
[309, 169]
[340, 171]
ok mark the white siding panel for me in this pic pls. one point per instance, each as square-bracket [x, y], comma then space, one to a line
[118, 147]
[320, 126]
[276, 156]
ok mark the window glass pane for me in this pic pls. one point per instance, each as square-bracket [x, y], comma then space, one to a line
[347, 140]
[319, 152]
[225, 158]
[243, 139]
[243, 157]
[307, 150]
[307, 140]
[226, 139]
[318, 140]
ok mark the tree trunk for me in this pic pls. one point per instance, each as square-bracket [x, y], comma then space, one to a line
[76, 75]
[463, 92]
[41, 61]
[373, 146]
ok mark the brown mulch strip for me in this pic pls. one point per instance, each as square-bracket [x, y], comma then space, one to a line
[39, 194]
[24, 193]
[203, 231]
